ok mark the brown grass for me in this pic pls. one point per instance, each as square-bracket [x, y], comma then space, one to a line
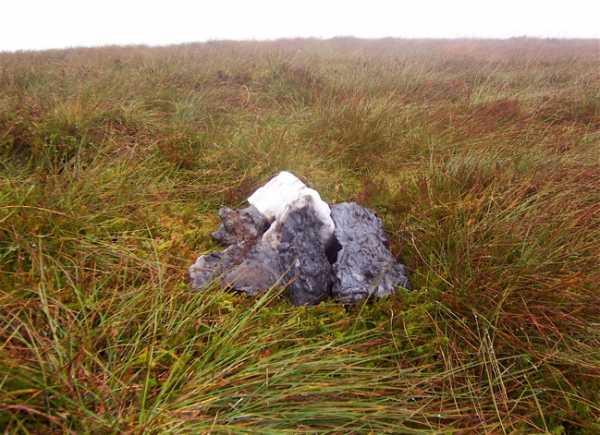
[481, 156]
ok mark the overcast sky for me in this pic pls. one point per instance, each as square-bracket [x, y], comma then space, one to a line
[38, 24]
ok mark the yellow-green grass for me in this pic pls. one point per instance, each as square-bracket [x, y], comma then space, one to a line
[482, 158]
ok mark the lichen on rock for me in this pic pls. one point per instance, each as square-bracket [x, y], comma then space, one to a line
[364, 266]
[246, 224]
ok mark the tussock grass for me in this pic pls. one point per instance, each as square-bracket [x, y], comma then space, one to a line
[482, 158]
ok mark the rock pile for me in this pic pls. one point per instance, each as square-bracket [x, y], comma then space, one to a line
[289, 236]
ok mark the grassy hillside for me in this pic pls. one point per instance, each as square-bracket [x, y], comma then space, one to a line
[482, 158]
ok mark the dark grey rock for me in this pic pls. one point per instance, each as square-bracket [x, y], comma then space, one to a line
[302, 254]
[291, 254]
[364, 265]
[239, 230]
[259, 271]
[208, 268]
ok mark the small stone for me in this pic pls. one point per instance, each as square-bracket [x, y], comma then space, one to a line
[205, 270]
[210, 267]
[364, 265]
[259, 271]
[240, 229]
[247, 225]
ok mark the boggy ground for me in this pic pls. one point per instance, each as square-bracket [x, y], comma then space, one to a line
[482, 158]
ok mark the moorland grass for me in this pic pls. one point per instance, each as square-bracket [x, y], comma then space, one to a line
[482, 158]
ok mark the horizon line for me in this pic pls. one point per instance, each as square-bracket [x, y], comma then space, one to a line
[305, 38]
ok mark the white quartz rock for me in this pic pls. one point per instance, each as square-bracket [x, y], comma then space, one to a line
[275, 197]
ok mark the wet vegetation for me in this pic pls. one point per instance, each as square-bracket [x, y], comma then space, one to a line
[481, 157]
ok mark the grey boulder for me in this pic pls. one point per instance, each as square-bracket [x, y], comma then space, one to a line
[364, 266]
[302, 255]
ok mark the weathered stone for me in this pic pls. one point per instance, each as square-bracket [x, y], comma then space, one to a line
[273, 198]
[240, 229]
[245, 225]
[208, 268]
[290, 253]
[302, 254]
[259, 271]
[205, 270]
[364, 265]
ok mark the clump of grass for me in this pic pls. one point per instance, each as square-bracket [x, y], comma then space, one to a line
[480, 156]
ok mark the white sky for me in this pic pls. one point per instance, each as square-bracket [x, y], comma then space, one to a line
[38, 24]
